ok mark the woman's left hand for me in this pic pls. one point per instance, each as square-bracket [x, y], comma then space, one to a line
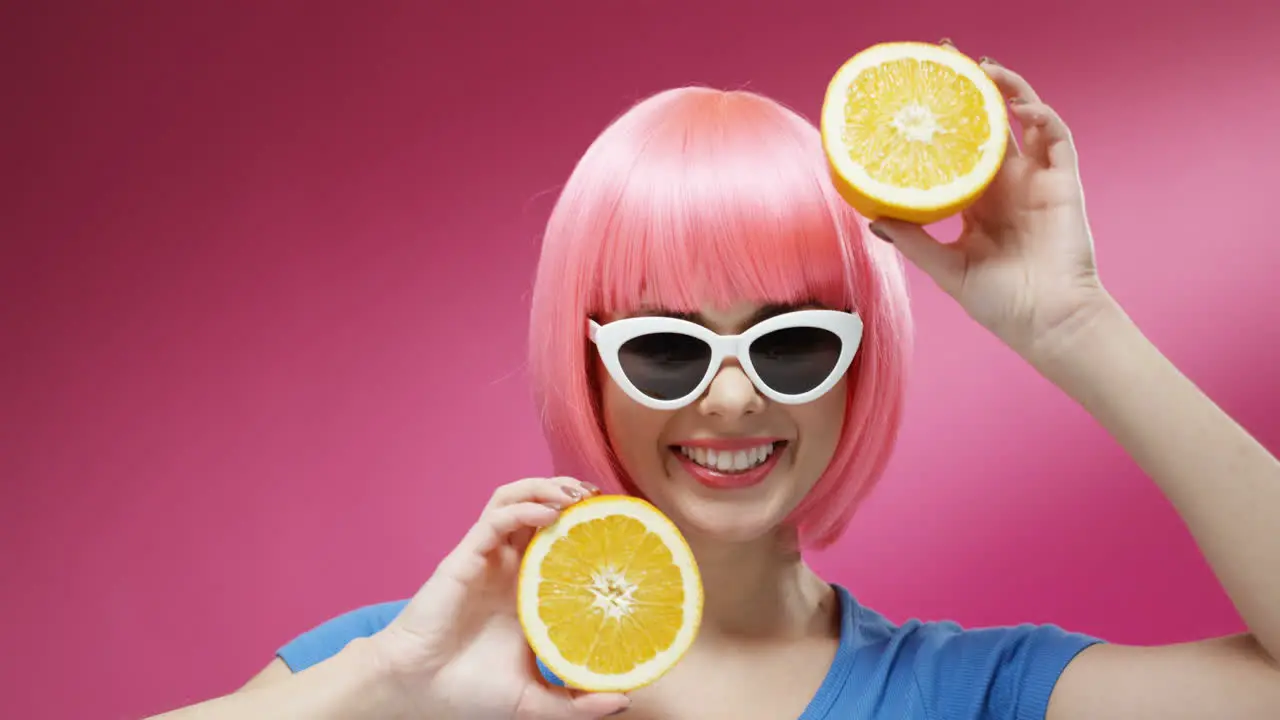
[1023, 265]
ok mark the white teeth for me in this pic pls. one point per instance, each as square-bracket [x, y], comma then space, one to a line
[729, 460]
[724, 462]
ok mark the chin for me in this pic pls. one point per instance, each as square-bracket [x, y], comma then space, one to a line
[722, 522]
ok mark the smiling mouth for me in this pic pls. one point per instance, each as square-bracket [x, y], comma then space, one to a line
[729, 462]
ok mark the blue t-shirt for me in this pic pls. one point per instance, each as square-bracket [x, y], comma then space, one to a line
[925, 670]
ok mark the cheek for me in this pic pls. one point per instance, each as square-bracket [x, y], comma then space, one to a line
[633, 429]
[821, 423]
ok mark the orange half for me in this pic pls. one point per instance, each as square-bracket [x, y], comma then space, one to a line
[609, 596]
[913, 131]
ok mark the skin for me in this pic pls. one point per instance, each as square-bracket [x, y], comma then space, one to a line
[1024, 269]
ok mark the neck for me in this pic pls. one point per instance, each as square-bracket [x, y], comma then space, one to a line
[760, 589]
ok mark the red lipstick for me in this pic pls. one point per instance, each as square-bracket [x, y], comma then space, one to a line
[729, 480]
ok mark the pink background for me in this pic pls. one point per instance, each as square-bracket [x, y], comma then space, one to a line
[265, 277]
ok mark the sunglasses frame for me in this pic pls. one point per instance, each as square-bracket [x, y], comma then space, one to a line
[610, 337]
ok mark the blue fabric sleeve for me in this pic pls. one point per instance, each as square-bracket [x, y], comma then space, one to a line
[327, 639]
[547, 674]
[1003, 673]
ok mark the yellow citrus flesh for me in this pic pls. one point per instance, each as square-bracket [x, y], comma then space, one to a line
[609, 596]
[913, 131]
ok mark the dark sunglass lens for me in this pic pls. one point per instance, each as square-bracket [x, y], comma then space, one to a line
[795, 360]
[665, 366]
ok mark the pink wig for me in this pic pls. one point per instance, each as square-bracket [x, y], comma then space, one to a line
[697, 197]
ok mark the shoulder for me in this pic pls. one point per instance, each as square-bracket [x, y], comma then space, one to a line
[990, 673]
[994, 672]
[328, 638]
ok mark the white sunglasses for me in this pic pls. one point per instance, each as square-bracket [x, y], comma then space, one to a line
[666, 363]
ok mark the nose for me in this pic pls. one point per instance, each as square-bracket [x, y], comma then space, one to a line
[731, 394]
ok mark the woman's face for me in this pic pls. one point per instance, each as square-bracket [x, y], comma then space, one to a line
[689, 462]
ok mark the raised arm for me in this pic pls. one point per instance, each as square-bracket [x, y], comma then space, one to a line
[1024, 268]
[1225, 486]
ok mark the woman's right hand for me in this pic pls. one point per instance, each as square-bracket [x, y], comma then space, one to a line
[457, 649]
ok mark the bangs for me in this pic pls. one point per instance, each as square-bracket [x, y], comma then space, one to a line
[724, 202]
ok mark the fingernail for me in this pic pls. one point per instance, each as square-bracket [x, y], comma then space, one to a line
[880, 233]
[591, 489]
[572, 492]
[947, 42]
[989, 61]
[554, 506]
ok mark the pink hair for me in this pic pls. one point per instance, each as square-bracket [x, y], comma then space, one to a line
[700, 196]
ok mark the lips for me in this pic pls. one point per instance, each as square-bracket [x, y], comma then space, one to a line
[729, 463]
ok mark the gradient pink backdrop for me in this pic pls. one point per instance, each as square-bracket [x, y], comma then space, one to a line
[265, 276]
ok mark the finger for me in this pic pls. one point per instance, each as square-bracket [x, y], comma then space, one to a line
[990, 66]
[539, 702]
[944, 263]
[561, 491]
[470, 557]
[985, 62]
[599, 705]
[1012, 86]
[521, 538]
[498, 524]
[1053, 144]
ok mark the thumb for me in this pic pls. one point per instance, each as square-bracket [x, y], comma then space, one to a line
[546, 703]
[944, 263]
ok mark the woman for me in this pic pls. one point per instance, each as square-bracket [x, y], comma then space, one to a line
[714, 209]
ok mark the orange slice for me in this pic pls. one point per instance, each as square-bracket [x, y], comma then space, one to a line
[913, 131]
[609, 596]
